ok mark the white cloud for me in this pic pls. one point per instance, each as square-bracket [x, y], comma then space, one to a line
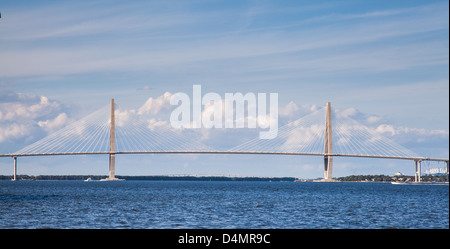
[391, 130]
[153, 124]
[357, 115]
[373, 119]
[154, 106]
[14, 131]
[26, 106]
[290, 109]
[53, 124]
[150, 113]
[123, 117]
[23, 116]
[384, 128]
[302, 139]
[28, 116]
[349, 112]
[293, 111]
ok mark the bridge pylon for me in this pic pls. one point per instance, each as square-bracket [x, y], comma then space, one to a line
[112, 148]
[328, 160]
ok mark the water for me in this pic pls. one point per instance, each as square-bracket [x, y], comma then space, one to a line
[188, 204]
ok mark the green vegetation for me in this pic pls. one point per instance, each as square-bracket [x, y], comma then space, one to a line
[384, 178]
[365, 178]
[147, 178]
[352, 178]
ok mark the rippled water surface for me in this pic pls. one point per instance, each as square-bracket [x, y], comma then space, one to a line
[195, 204]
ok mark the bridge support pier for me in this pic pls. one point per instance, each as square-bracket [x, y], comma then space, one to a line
[447, 170]
[15, 169]
[417, 171]
[112, 167]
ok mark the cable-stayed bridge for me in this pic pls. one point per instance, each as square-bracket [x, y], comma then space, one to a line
[323, 133]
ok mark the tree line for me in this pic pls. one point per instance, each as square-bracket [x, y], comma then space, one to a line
[146, 178]
[385, 178]
[351, 178]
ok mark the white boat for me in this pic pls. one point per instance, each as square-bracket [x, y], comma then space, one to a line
[88, 180]
[398, 182]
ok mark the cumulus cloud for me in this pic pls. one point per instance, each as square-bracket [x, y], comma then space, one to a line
[349, 112]
[405, 133]
[124, 117]
[154, 106]
[26, 116]
[55, 123]
[152, 113]
[292, 110]
[153, 124]
[289, 109]
[302, 138]
[13, 131]
[407, 136]
[373, 119]
[14, 106]
[355, 114]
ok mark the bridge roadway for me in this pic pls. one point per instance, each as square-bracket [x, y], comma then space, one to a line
[228, 152]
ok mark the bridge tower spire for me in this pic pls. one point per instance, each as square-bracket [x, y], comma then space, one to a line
[328, 160]
[112, 147]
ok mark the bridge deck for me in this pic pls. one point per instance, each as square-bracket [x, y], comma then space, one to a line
[227, 152]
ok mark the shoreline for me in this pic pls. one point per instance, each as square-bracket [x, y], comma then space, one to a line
[360, 179]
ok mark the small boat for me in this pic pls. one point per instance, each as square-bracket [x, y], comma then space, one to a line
[88, 180]
[398, 182]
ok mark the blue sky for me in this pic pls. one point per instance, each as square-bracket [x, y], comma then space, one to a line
[61, 60]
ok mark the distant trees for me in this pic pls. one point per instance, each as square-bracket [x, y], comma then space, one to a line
[352, 178]
[20, 177]
[365, 178]
[384, 178]
[147, 178]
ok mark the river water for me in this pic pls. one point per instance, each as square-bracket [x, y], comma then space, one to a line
[222, 204]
